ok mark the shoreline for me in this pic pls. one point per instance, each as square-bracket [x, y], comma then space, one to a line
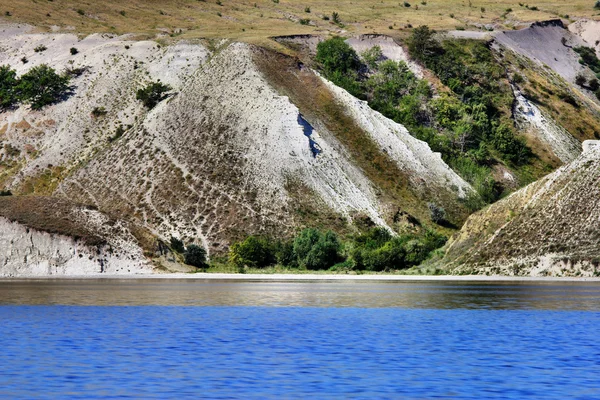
[302, 278]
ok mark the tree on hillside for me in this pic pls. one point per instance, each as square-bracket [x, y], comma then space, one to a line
[195, 256]
[422, 44]
[8, 81]
[153, 94]
[337, 55]
[41, 86]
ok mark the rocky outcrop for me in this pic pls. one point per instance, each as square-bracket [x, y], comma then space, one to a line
[549, 228]
[556, 138]
[548, 43]
[46, 236]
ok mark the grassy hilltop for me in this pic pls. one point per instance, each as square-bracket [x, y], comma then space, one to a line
[256, 20]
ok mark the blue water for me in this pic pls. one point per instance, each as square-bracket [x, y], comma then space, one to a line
[331, 349]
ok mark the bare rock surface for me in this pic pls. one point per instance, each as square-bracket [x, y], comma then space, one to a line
[548, 43]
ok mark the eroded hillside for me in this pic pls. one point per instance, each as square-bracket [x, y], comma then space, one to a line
[237, 148]
[549, 228]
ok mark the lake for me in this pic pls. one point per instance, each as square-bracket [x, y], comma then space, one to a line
[254, 340]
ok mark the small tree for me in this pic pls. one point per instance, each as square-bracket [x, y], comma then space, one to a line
[422, 44]
[252, 252]
[315, 250]
[337, 56]
[195, 256]
[153, 94]
[177, 245]
[74, 51]
[8, 82]
[372, 56]
[594, 84]
[42, 86]
[580, 80]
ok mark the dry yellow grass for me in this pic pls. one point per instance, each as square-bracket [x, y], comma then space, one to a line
[257, 20]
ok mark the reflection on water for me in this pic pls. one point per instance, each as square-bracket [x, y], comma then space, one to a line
[435, 295]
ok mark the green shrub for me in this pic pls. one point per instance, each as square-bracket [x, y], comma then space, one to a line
[372, 56]
[41, 48]
[254, 252]
[195, 256]
[177, 245]
[421, 44]
[73, 51]
[315, 250]
[153, 94]
[42, 86]
[335, 55]
[8, 83]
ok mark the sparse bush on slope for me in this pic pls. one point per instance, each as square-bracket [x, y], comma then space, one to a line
[41, 86]
[153, 94]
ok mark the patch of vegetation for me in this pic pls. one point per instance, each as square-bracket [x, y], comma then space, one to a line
[153, 94]
[195, 256]
[73, 51]
[98, 112]
[41, 48]
[470, 126]
[315, 250]
[8, 84]
[588, 58]
[39, 87]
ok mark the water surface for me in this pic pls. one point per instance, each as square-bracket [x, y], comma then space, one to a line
[186, 339]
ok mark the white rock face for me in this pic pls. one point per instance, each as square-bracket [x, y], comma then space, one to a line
[561, 142]
[423, 166]
[27, 252]
[67, 133]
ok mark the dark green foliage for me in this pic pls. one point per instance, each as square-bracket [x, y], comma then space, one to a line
[316, 250]
[5, 193]
[177, 245]
[73, 51]
[588, 57]
[195, 256]
[42, 86]
[340, 64]
[511, 147]
[422, 45]
[468, 126]
[40, 48]
[8, 83]
[153, 94]
[377, 250]
[254, 252]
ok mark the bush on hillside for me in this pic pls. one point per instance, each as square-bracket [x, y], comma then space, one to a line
[177, 245]
[316, 250]
[153, 94]
[42, 86]
[195, 256]
[422, 44]
[253, 252]
[8, 83]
